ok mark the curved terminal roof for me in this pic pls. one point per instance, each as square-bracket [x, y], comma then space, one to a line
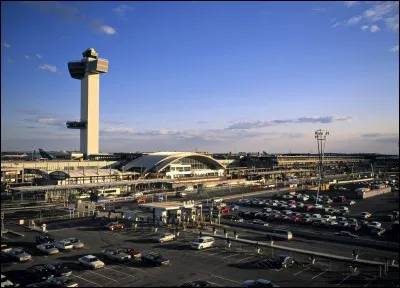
[160, 160]
[80, 173]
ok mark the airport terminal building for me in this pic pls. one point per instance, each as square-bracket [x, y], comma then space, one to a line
[174, 165]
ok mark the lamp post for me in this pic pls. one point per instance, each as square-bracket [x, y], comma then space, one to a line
[320, 136]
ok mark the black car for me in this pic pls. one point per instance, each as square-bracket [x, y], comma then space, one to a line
[282, 261]
[40, 273]
[196, 283]
[44, 238]
[154, 259]
[59, 269]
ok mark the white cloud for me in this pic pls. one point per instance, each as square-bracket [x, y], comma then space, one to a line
[49, 67]
[122, 9]
[351, 3]
[39, 56]
[336, 25]
[108, 30]
[393, 22]
[377, 12]
[5, 44]
[365, 27]
[354, 20]
[27, 57]
[374, 28]
[394, 48]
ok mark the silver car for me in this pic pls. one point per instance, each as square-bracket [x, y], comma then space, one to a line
[116, 254]
[49, 249]
[76, 243]
[17, 254]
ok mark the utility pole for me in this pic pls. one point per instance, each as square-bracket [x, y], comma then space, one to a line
[320, 135]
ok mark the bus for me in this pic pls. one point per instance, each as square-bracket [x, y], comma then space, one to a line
[108, 192]
[279, 234]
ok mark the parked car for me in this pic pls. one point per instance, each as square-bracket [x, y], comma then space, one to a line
[62, 281]
[44, 238]
[116, 254]
[258, 283]
[48, 249]
[196, 283]
[365, 215]
[165, 237]
[354, 227]
[76, 243]
[40, 272]
[181, 194]
[259, 222]
[17, 254]
[91, 262]
[318, 222]
[140, 200]
[5, 248]
[235, 208]
[282, 261]
[64, 245]
[5, 282]
[378, 231]
[154, 259]
[58, 269]
[114, 225]
[134, 253]
[351, 202]
[346, 234]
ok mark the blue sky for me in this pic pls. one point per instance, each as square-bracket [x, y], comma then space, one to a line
[211, 76]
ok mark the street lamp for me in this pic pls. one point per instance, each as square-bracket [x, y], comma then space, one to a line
[320, 135]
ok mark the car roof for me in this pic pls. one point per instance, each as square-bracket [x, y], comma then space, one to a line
[90, 256]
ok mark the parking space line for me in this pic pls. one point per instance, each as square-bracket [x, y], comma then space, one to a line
[229, 256]
[225, 278]
[368, 283]
[132, 268]
[244, 259]
[73, 275]
[119, 271]
[318, 274]
[215, 284]
[343, 280]
[301, 271]
[103, 276]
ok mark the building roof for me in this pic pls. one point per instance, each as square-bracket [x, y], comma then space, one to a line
[80, 173]
[160, 160]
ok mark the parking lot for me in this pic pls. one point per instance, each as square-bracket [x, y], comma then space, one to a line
[219, 266]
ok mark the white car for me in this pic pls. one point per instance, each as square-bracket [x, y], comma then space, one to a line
[64, 245]
[91, 262]
[352, 202]
[83, 196]
[235, 208]
[287, 212]
[165, 237]
[48, 248]
[374, 224]
[76, 243]
[365, 215]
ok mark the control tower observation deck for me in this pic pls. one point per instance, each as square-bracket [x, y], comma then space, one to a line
[88, 71]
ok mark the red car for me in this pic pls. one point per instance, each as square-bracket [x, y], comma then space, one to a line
[309, 207]
[140, 200]
[225, 210]
[134, 253]
[114, 225]
[298, 219]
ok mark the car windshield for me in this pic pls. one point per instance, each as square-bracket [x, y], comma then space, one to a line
[49, 246]
[17, 252]
[93, 259]
[73, 240]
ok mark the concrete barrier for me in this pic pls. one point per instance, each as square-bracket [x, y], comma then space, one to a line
[391, 246]
[306, 252]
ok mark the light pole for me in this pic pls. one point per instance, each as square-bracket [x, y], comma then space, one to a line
[320, 135]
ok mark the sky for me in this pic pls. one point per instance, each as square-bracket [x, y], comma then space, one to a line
[205, 76]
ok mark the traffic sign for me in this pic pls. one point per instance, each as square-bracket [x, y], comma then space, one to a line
[71, 207]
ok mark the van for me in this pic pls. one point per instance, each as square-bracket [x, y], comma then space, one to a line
[217, 200]
[181, 194]
[203, 242]
[280, 234]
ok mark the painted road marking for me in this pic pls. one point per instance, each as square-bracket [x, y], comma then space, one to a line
[244, 259]
[119, 272]
[318, 274]
[225, 279]
[229, 256]
[132, 268]
[368, 283]
[73, 275]
[301, 271]
[103, 276]
[343, 280]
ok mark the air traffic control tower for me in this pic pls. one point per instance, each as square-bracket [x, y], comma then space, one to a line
[88, 71]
